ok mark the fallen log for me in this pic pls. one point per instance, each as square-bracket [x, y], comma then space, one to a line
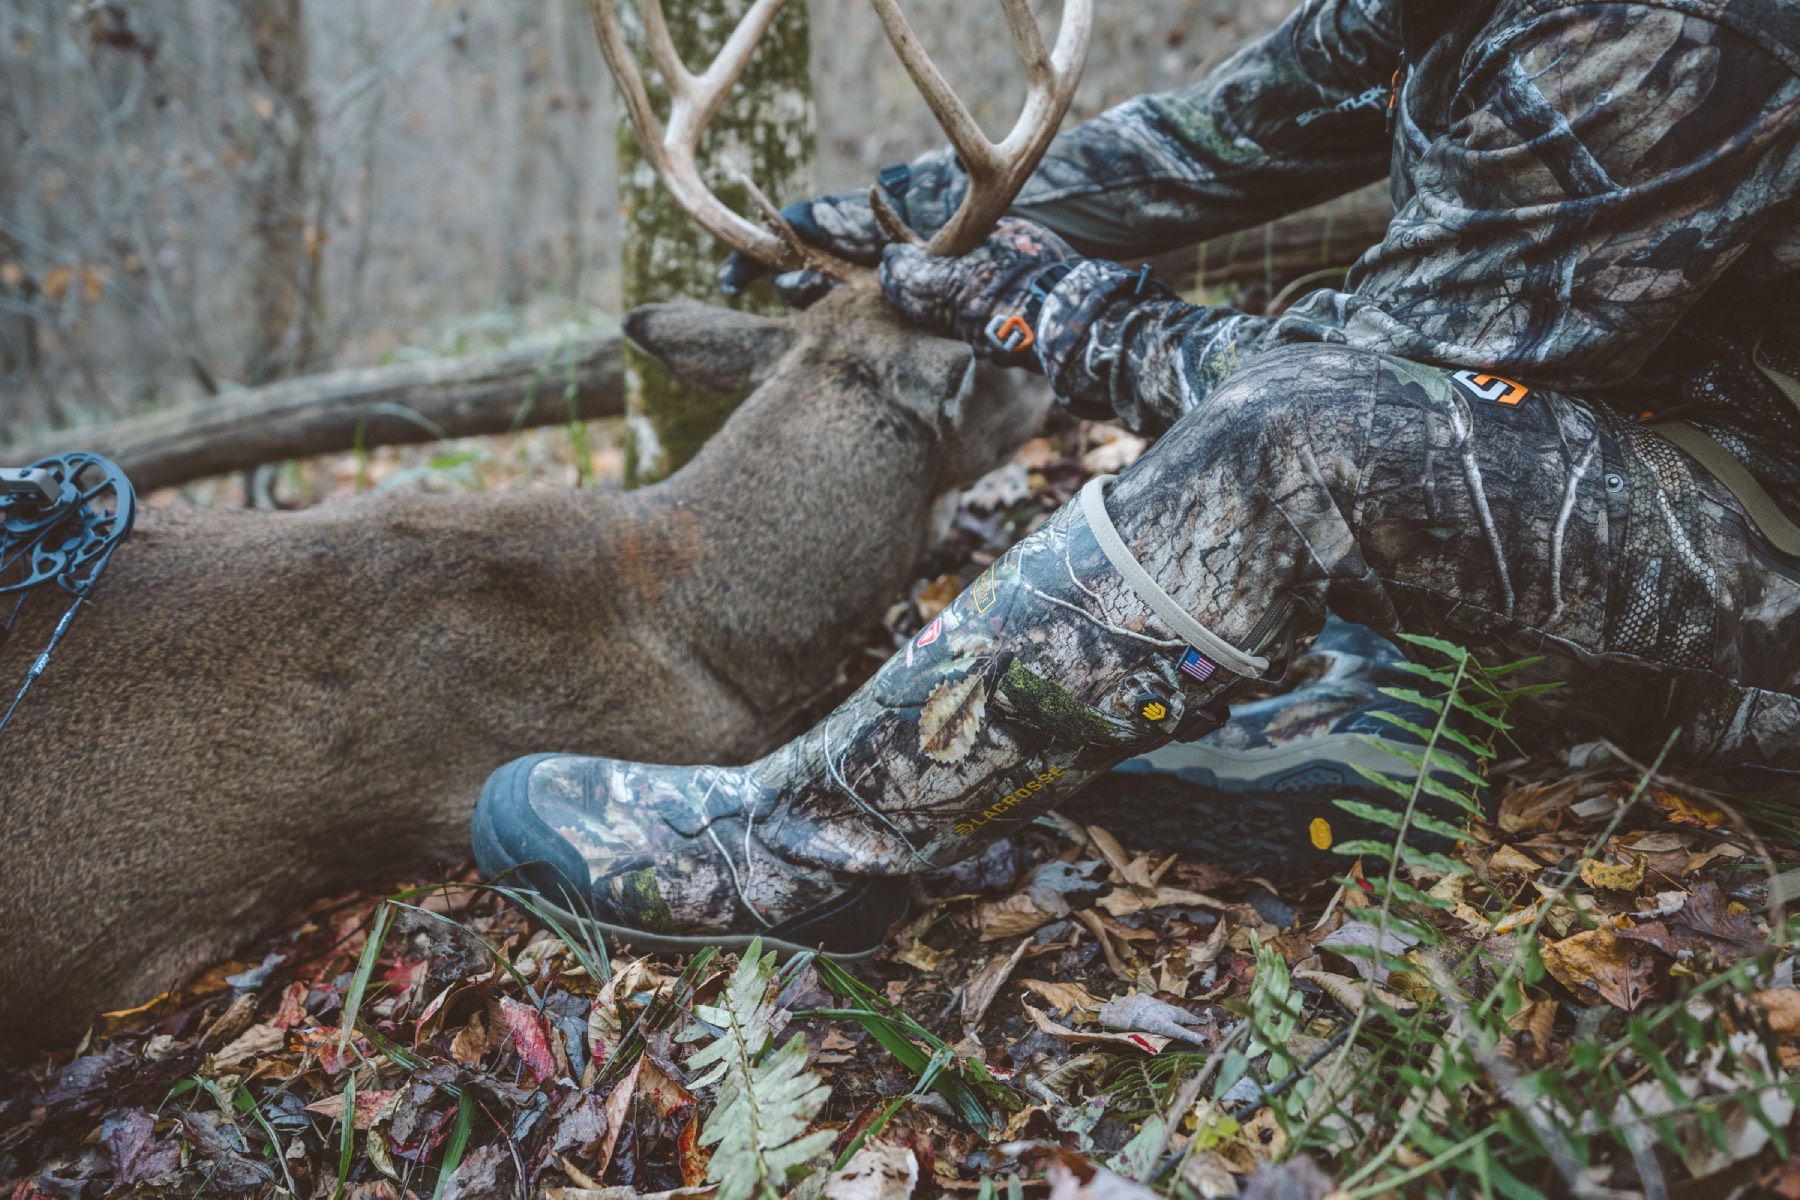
[543, 383]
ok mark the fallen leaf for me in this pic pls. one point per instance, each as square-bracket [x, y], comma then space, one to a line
[1122, 902]
[1150, 1043]
[1016, 914]
[618, 1107]
[937, 595]
[1709, 913]
[470, 1045]
[879, 1171]
[1783, 1007]
[1064, 998]
[1359, 938]
[1136, 1012]
[227, 1025]
[1352, 993]
[1679, 810]
[292, 1010]
[1535, 808]
[1134, 872]
[1612, 877]
[371, 1107]
[254, 1042]
[530, 1038]
[1600, 964]
[134, 1150]
[1510, 861]
[985, 984]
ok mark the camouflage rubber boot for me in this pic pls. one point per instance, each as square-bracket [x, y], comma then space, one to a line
[1260, 793]
[1063, 659]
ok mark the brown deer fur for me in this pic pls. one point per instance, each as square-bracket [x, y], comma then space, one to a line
[256, 709]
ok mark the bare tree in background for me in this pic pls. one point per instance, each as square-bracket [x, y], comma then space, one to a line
[764, 132]
[282, 189]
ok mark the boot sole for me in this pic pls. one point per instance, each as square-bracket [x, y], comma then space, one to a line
[1247, 809]
[493, 858]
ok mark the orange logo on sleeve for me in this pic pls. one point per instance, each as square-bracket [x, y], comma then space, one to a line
[1491, 387]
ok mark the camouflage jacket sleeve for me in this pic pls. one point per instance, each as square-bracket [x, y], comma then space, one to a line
[1590, 175]
[1293, 118]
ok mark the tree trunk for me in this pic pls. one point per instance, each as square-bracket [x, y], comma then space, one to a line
[283, 275]
[763, 131]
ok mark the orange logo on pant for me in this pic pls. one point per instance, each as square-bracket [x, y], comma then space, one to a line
[1492, 387]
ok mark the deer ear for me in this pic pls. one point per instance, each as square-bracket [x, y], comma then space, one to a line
[936, 375]
[717, 349]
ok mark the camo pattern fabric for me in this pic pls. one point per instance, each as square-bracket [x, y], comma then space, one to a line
[1514, 520]
[1030, 683]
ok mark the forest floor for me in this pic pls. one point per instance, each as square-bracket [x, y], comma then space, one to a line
[1586, 987]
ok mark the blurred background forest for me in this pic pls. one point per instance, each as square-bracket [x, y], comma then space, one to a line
[201, 195]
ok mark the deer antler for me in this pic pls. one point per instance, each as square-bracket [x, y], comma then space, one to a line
[693, 101]
[996, 170]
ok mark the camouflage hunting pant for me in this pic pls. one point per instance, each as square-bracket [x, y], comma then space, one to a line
[1516, 522]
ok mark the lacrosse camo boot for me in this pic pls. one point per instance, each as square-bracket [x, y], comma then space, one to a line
[1062, 660]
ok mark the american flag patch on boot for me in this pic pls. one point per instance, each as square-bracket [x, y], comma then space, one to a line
[1198, 665]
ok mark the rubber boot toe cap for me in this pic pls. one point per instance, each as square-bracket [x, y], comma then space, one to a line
[512, 842]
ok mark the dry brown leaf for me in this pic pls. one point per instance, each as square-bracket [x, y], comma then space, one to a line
[1600, 964]
[1016, 914]
[1209, 1176]
[1064, 998]
[470, 1045]
[618, 1109]
[252, 1043]
[937, 595]
[1507, 860]
[234, 1020]
[1535, 807]
[1134, 871]
[951, 718]
[919, 956]
[1533, 1023]
[879, 1171]
[985, 984]
[1613, 877]
[1150, 1043]
[1679, 810]
[1783, 1007]
[1353, 993]
[1122, 902]
[1114, 963]
[371, 1107]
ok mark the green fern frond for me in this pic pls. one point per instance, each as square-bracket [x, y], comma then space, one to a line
[767, 1099]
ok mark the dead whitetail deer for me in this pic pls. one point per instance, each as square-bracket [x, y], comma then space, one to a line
[256, 709]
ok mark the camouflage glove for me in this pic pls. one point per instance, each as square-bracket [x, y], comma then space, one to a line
[990, 297]
[923, 193]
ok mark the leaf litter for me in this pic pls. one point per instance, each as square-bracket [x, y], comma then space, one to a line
[1593, 993]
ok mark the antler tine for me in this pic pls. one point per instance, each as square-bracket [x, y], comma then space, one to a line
[693, 101]
[1028, 40]
[676, 77]
[952, 115]
[997, 170]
